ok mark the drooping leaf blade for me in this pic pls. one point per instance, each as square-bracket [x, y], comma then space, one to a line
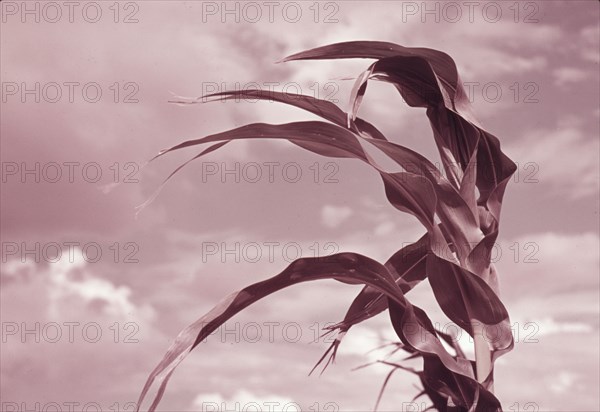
[345, 267]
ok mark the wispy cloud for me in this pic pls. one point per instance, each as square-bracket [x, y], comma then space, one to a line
[565, 75]
[563, 158]
[333, 216]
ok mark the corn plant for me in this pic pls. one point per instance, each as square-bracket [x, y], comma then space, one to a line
[459, 208]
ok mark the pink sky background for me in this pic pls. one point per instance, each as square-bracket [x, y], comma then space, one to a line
[542, 56]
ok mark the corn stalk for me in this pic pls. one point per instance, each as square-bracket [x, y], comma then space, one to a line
[459, 209]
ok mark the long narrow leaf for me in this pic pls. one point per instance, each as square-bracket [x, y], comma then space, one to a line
[345, 267]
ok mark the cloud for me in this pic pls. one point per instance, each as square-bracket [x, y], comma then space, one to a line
[589, 43]
[243, 400]
[333, 216]
[565, 75]
[71, 287]
[498, 49]
[385, 228]
[563, 159]
[115, 301]
[563, 382]
[549, 263]
[548, 326]
[69, 321]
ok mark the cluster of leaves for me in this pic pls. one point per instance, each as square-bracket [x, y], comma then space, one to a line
[459, 209]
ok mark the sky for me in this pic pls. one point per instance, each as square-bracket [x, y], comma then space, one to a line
[93, 293]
